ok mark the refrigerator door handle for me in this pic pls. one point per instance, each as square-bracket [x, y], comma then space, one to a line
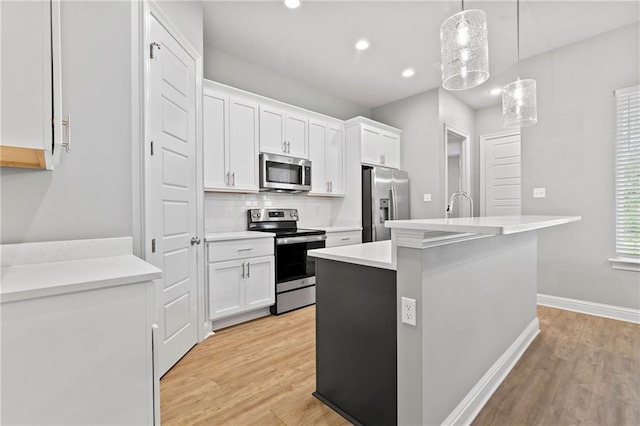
[393, 203]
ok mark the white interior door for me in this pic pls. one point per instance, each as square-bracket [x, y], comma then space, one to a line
[172, 211]
[500, 175]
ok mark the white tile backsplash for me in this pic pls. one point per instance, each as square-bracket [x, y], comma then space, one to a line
[228, 212]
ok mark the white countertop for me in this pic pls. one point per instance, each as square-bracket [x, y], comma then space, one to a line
[28, 276]
[377, 254]
[237, 235]
[496, 225]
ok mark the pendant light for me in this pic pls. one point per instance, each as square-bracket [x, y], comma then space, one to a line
[519, 97]
[464, 49]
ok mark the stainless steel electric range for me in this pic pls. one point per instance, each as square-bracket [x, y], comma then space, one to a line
[295, 271]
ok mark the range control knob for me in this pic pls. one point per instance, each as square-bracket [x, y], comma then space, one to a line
[255, 215]
[293, 214]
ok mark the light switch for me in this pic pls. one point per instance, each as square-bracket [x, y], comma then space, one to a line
[427, 197]
[539, 192]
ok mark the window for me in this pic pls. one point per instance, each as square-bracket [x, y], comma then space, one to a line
[627, 180]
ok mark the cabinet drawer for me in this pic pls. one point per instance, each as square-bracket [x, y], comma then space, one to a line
[239, 249]
[335, 239]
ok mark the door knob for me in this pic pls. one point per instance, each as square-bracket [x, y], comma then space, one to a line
[195, 240]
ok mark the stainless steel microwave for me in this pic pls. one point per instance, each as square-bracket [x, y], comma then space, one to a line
[279, 173]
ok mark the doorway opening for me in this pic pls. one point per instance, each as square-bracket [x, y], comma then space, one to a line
[456, 168]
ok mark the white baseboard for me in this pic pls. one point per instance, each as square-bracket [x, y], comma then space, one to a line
[471, 405]
[240, 318]
[590, 308]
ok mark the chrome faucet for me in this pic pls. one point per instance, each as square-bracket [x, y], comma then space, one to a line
[452, 199]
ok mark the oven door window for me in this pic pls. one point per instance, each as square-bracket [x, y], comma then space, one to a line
[284, 173]
[292, 262]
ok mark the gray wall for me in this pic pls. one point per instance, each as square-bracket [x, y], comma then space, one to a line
[421, 150]
[89, 194]
[237, 72]
[187, 16]
[422, 118]
[570, 151]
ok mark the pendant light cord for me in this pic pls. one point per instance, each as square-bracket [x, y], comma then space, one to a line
[518, 38]
[463, 5]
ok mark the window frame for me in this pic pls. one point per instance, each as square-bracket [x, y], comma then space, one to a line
[630, 95]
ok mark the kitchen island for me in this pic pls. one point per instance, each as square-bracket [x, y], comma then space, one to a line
[474, 281]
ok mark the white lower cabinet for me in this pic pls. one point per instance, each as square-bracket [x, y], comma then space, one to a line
[241, 284]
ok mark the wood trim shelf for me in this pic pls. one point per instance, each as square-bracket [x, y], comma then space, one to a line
[13, 156]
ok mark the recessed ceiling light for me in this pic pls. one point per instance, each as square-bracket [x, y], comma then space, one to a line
[292, 4]
[362, 45]
[409, 72]
[495, 91]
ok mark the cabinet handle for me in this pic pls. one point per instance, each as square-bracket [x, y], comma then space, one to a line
[195, 240]
[288, 145]
[248, 270]
[242, 276]
[233, 179]
[284, 146]
[246, 249]
[346, 238]
[327, 186]
[330, 186]
[66, 143]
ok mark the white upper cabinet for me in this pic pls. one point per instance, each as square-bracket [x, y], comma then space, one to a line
[230, 142]
[326, 152]
[379, 143]
[283, 132]
[317, 155]
[31, 122]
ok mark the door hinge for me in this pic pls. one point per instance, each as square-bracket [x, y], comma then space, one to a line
[151, 147]
[153, 245]
[151, 46]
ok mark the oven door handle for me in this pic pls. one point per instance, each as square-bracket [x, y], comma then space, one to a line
[302, 239]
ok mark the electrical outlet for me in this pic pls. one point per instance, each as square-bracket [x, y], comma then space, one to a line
[409, 311]
[539, 192]
[427, 197]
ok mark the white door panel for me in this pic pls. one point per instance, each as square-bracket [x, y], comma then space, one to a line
[502, 176]
[296, 136]
[226, 288]
[215, 134]
[317, 153]
[173, 217]
[243, 143]
[259, 278]
[271, 131]
[335, 159]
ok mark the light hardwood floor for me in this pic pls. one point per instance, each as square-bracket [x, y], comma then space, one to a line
[580, 370]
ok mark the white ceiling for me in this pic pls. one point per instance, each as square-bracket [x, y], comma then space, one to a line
[315, 43]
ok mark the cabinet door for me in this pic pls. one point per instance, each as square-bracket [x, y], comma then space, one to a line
[272, 130]
[260, 282]
[370, 145]
[226, 288]
[243, 144]
[296, 136]
[390, 149]
[317, 153]
[30, 83]
[215, 135]
[335, 160]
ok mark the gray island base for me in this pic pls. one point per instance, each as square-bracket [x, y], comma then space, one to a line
[356, 341]
[475, 288]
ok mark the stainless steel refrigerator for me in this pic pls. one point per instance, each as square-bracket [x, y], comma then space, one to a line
[385, 196]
